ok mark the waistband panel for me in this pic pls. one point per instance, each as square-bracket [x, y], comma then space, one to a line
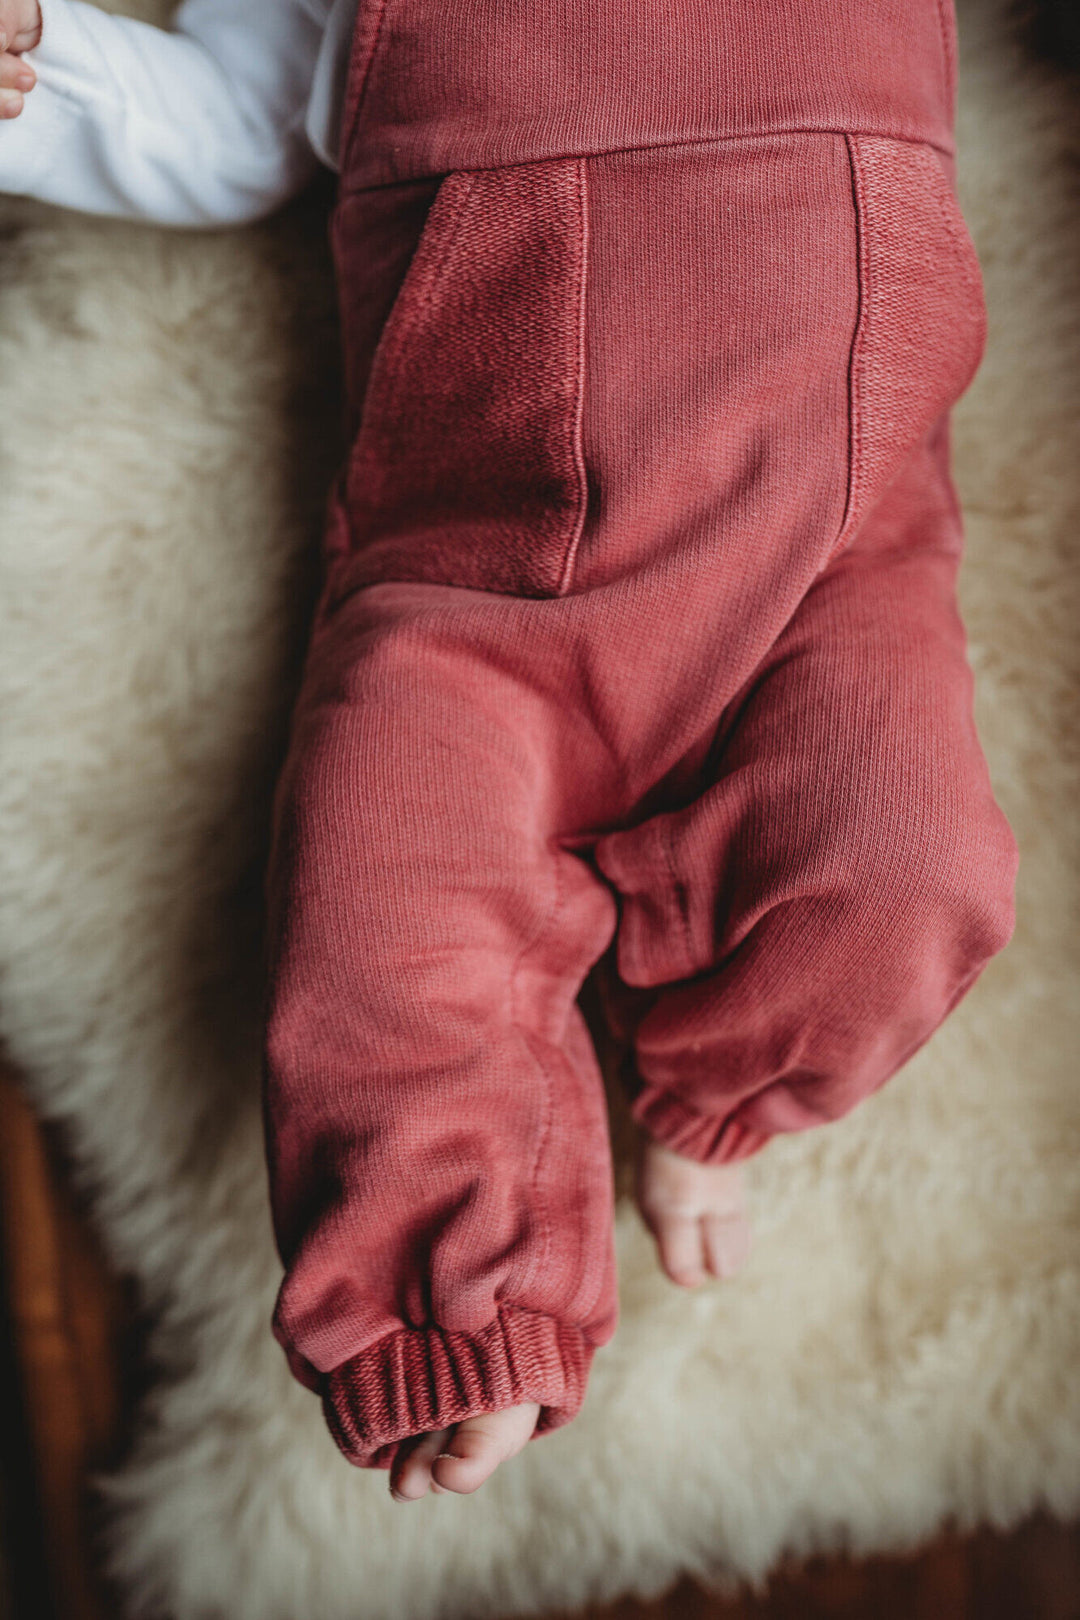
[438, 85]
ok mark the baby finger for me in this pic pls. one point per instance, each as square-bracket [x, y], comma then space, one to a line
[15, 74]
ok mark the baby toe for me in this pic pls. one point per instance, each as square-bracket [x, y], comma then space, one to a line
[480, 1444]
[410, 1476]
[727, 1243]
[679, 1240]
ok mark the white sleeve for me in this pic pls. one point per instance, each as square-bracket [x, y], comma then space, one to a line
[198, 124]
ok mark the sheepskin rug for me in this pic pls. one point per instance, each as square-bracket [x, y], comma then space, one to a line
[901, 1350]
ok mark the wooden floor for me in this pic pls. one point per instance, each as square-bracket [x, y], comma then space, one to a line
[1033, 1574]
[70, 1350]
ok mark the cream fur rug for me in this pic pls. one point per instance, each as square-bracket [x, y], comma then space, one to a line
[902, 1349]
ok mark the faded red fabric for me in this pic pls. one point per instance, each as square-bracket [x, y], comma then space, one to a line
[638, 650]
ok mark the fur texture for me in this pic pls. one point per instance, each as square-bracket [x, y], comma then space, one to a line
[901, 1348]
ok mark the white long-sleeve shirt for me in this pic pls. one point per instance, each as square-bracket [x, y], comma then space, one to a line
[217, 119]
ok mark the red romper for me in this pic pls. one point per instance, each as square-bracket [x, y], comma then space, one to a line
[638, 646]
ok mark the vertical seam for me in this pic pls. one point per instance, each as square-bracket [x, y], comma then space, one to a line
[576, 439]
[858, 344]
[361, 89]
[948, 55]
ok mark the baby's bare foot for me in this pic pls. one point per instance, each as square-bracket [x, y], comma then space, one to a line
[462, 1457]
[696, 1212]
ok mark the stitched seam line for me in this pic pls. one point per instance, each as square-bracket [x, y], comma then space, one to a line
[948, 55]
[858, 344]
[354, 118]
[577, 448]
[781, 132]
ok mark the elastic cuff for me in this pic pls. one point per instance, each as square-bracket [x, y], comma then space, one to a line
[422, 1379]
[696, 1136]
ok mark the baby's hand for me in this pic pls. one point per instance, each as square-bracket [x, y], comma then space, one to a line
[20, 30]
[696, 1212]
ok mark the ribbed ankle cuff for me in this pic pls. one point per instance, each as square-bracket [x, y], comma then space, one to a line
[697, 1136]
[422, 1379]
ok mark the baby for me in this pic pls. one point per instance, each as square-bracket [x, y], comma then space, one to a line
[638, 647]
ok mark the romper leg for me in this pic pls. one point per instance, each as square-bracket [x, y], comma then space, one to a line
[439, 1153]
[792, 936]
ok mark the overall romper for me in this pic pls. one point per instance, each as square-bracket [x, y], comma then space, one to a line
[638, 642]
